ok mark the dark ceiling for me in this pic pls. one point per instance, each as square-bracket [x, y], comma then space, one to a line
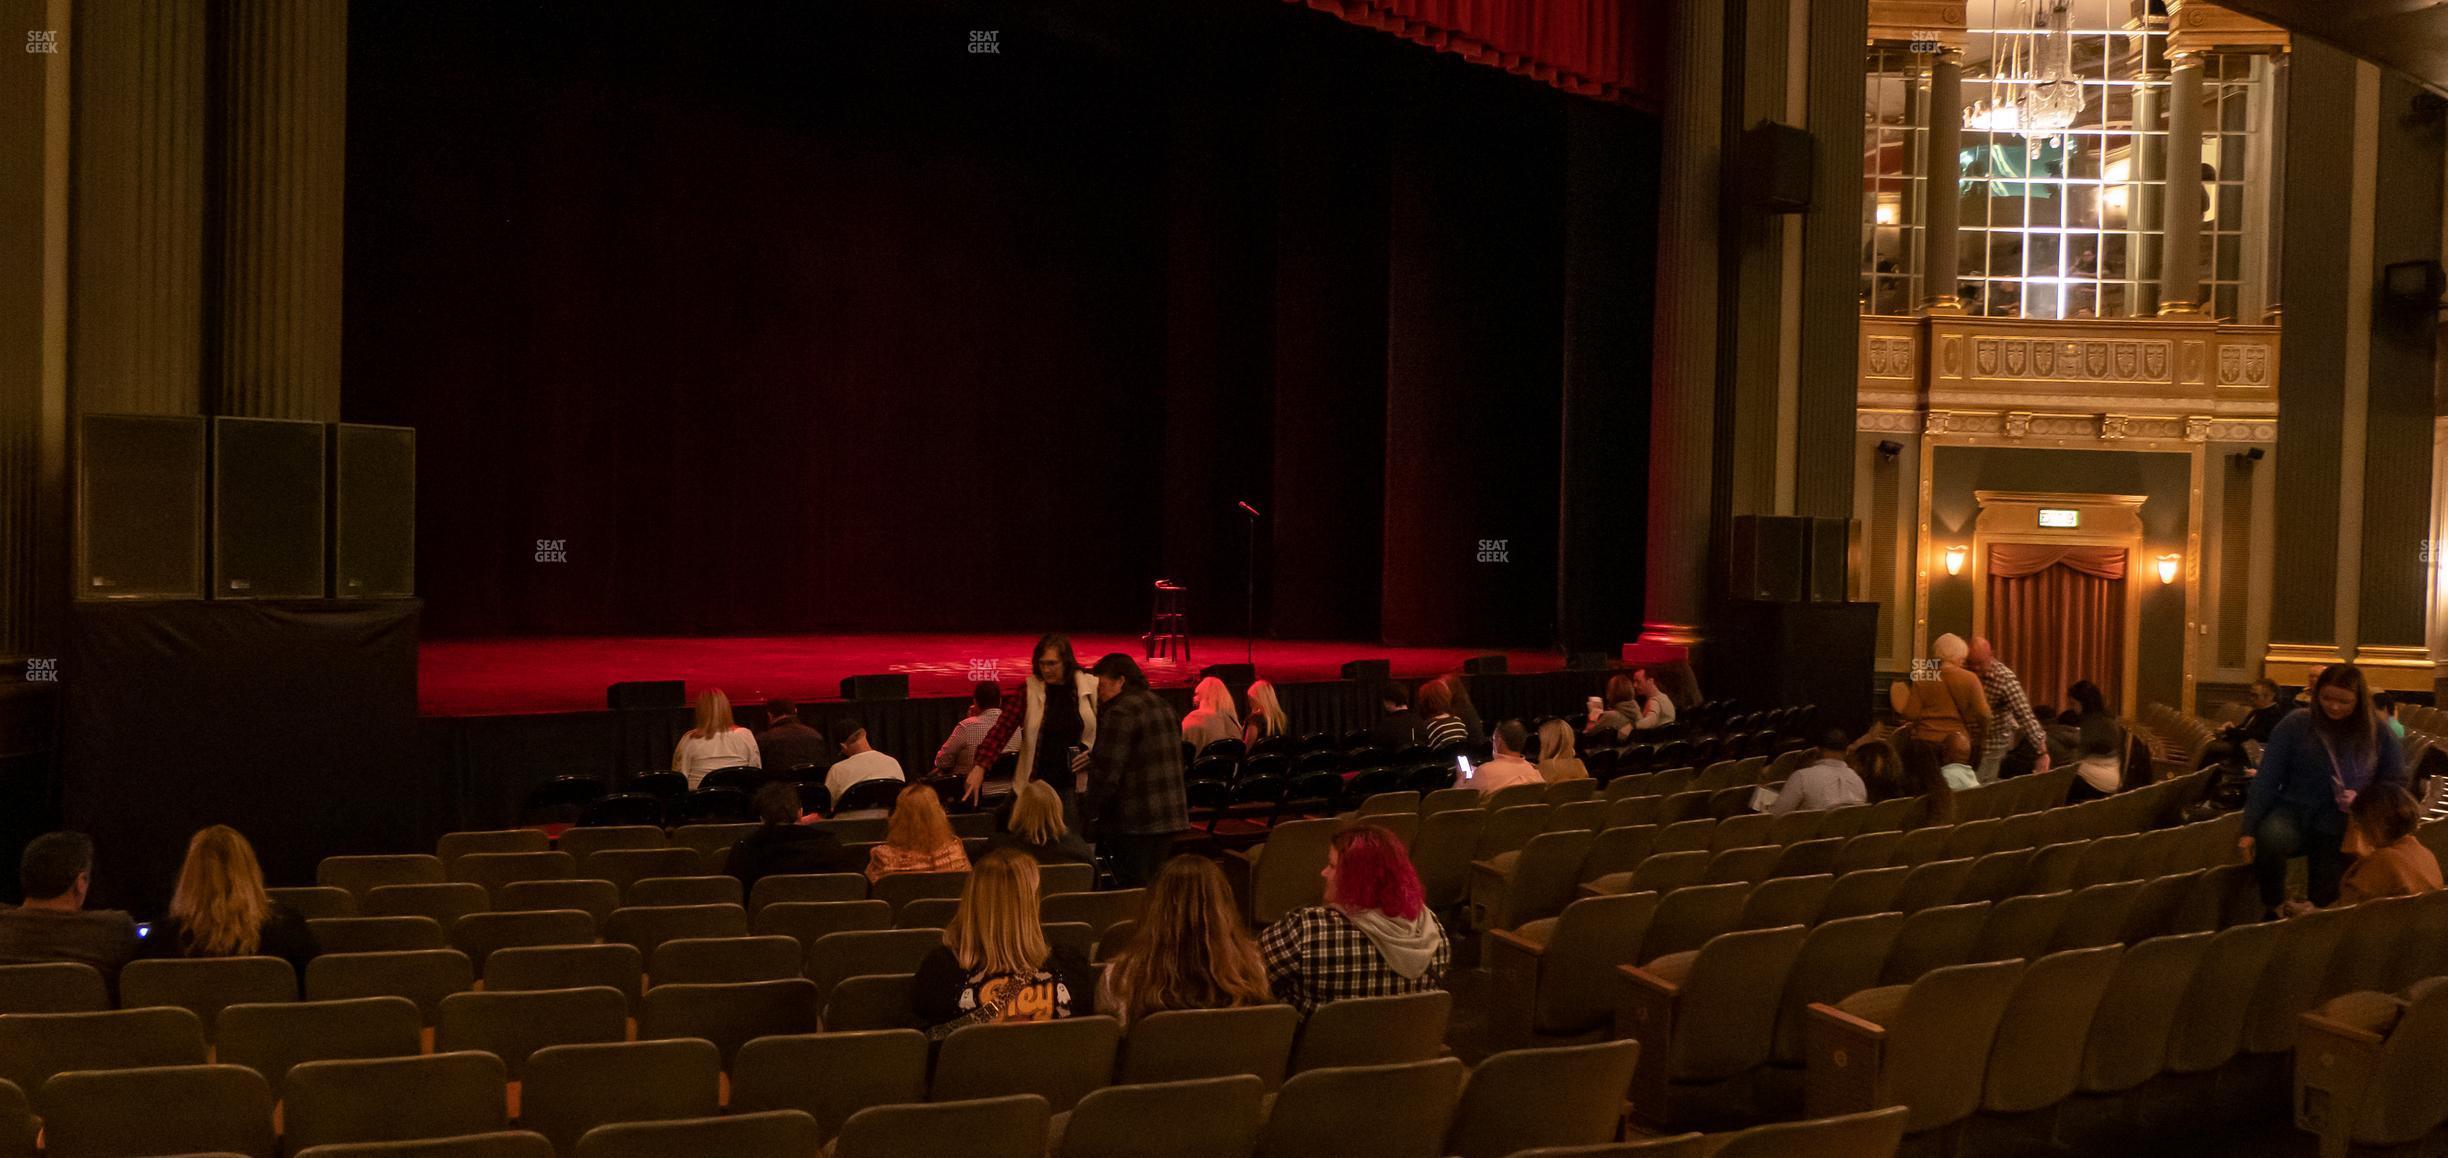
[2410, 36]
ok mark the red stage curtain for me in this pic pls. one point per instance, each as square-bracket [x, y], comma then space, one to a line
[1596, 48]
[2057, 615]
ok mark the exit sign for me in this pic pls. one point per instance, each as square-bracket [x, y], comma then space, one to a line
[2061, 517]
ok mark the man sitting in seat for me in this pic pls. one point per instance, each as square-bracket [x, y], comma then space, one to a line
[1508, 768]
[1826, 783]
[859, 762]
[783, 845]
[52, 925]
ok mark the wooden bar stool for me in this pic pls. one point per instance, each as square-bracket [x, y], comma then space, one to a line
[1169, 623]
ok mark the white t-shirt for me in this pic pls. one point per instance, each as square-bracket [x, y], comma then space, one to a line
[697, 755]
[1658, 713]
[867, 765]
[1499, 774]
[1823, 785]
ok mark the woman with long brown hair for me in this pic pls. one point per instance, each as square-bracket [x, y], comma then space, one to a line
[220, 908]
[1189, 952]
[716, 742]
[919, 838]
[995, 963]
[1924, 772]
[2317, 762]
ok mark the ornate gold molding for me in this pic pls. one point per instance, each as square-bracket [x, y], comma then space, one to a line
[2195, 27]
[1911, 22]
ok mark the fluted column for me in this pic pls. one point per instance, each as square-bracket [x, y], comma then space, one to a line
[136, 218]
[1683, 366]
[2180, 250]
[283, 157]
[1943, 187]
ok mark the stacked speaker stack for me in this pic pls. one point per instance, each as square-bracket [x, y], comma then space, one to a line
[184, 507]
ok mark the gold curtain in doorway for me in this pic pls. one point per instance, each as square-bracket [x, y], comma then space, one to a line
[2057, 614]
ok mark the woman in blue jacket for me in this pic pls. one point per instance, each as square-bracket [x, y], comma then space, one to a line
[2315, 764]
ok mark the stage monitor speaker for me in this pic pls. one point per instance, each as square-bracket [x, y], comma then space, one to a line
[1484, 665]
[1234, 675]
[1588, 661]
[870, 688]
[1375, 671]
[373, 512]
[1766, 557]
[140, 507]
[267, 509]
[1831, 555]
[637, 695]
[1776, 165]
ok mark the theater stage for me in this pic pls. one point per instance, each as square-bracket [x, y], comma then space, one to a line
[520, 676]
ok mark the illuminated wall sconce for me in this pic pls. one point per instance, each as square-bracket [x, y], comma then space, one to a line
[2168, 565]
[1955, 558]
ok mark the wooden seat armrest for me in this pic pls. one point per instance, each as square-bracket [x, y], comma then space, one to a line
[2315, 1024]
[1639, 978]
[1517, 943]
[1839, 1019]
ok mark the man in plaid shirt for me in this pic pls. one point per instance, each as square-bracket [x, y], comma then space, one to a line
[1135, 799]
[2010, 712]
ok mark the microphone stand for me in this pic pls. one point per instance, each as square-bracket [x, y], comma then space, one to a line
[1249, 578]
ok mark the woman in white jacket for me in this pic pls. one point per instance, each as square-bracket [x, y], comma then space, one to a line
[715, 742]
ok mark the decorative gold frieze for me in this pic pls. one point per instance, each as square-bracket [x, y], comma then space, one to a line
[1922, 24]
[2195, 27]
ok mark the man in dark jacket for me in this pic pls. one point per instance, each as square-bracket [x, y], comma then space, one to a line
[783, 845]
[788, 743]
[1135, 799]
[1399, 727]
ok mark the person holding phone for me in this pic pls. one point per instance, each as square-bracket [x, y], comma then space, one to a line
[1508, 768]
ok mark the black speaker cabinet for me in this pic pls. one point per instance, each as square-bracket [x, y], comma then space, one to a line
[1814, 653]
[1766, 557]
[1776, 168]
[1234, 675]
[869, 688]
[1375, 671]
[1589, 661]
[140, 507]
[267, 509]
[373, 509]
[643, 694]
[1831, 554]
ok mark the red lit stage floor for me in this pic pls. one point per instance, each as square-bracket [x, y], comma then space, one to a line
[485, 677]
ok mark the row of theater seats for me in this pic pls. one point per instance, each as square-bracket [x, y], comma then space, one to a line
[2368, 1066]
[1554, 977]
[1361, 1077]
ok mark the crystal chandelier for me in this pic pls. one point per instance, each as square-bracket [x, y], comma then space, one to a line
[2032, 90]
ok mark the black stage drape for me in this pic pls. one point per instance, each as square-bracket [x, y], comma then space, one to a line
[293, 722]
[814, 317]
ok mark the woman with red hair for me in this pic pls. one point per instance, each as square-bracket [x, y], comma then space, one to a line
[1374, 936]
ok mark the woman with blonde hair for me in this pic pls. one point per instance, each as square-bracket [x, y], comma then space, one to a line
[715, 742]
[1556, 758]
[1266, 715]
[1036, 827]
[1190, 950]
[1211, 717]
[919, 838]
[995, 963]
[220, 908]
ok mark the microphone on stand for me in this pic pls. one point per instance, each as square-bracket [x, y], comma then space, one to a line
[1249, 576]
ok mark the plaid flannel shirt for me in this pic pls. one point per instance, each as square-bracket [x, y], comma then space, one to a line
[1135, 770]
[1316, 955]
[2010, 713]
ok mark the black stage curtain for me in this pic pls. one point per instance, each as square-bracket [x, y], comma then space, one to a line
[293, 722]
[808, 317]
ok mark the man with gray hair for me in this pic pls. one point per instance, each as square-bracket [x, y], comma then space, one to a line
[1941, 699]
[2010, 711]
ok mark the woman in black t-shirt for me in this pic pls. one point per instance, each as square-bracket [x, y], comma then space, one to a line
[995, 964]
